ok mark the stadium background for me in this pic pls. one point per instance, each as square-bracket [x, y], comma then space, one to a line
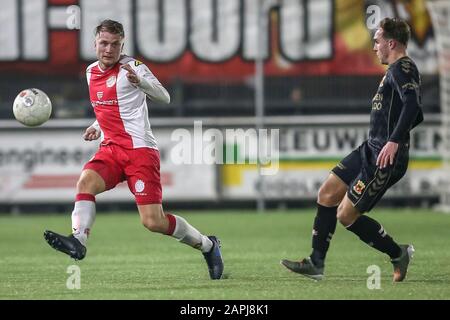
[319, 77]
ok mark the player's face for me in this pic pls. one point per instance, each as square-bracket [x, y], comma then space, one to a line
[381, 46]
[108, 47]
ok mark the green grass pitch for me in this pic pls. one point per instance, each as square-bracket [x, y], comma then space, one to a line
[125, 261]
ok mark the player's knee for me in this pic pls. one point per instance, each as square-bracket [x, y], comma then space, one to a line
[340, 214]
[84, 185]
[345, 217]
[87, 183]
[327, 197]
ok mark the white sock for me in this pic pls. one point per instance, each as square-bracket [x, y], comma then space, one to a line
[187, 234]
[83, 217]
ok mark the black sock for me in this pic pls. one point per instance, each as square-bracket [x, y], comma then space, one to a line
[323, 230]
[372, 233]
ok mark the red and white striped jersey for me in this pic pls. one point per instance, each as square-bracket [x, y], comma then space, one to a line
[120, 107]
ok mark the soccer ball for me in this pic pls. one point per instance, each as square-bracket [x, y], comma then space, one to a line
[32, 107]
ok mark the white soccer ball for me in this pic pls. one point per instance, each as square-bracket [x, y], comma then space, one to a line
[32, 107]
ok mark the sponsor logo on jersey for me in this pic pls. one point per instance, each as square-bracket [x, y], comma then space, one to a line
[137, 63]
[104, 103]
[111, 81]
[359, 187]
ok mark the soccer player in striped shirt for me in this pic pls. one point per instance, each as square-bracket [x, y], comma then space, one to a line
[118, 87]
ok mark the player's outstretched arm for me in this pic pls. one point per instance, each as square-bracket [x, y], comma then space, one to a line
[148, 83]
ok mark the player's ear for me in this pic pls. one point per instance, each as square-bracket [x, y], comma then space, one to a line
[392, 44]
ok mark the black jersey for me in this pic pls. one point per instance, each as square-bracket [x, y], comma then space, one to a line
[396, 107]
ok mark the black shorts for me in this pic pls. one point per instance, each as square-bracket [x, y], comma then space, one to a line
[366, 182]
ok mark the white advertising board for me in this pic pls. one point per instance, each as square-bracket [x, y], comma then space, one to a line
[42, 166]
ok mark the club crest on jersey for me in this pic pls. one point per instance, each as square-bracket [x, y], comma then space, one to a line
[359, 187]
[100, 94]
[139, 186]
[111, 81]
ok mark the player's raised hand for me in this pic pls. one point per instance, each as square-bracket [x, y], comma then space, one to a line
[91, 134]
[387, 154]
[131, 75]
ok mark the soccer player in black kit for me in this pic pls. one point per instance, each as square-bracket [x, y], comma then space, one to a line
[359, 181]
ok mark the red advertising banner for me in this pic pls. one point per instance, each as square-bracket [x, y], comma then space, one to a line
[204, 40]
